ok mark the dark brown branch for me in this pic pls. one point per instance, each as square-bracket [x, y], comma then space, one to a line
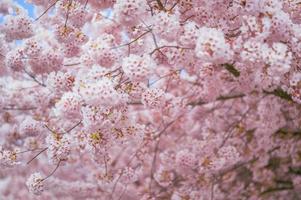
[160, 5]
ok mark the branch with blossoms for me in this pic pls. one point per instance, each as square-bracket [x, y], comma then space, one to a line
[150, 99]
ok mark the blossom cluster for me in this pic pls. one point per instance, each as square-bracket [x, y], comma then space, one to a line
[150, 99]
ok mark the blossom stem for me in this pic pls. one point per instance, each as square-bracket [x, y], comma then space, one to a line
[37, 155]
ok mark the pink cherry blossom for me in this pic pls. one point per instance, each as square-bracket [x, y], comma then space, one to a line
[35, 183]
[150, 99]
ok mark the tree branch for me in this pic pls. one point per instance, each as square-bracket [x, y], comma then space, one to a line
[37, 155]
[160, 5]
[34, 78]
[57, 166]
[46, 10]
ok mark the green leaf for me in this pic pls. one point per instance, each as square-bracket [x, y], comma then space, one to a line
[280, 93]
[295, 170]
[250, 135]
[285, 133]
[230, 68]
[274, 163]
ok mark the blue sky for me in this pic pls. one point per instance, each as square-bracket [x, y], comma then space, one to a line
[27, 6]
[30, 8]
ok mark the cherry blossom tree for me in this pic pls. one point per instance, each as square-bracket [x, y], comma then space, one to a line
[150, 100]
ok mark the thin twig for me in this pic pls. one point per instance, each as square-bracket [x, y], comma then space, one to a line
[233, 127]
[37, 155]
[122, 193]
[277, 189]
[29, 150]
[14, 108]
[72, 64]
[185, 20]
[154, 37]
[161, 6]
[67, 14]
[230, 132]
[86, 3]
[150, 7]
[165, 76]
[212, 191]
[156, 151]
[113, 71]
[170, 46]
[221, 98]
[52, 131]
[57, 166]
[73, 127]
[46, 10]
[34, 78]
[127, 44]
[122, 171]
[173, 6]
